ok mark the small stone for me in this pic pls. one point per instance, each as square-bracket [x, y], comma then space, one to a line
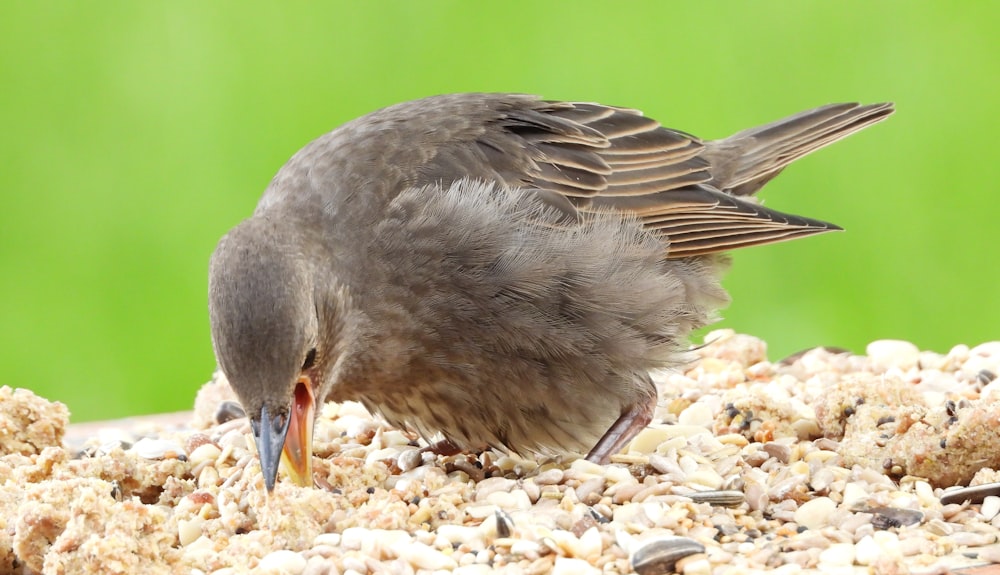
[970, 539]
[990, 507]
[149, 448]
[591, 544]
[886, 353]
[696, 564]
[553, 476]
[459, 534]
[837, 554]
[188, 530]
[282, 561]
[855, 496]
[474, 569]
[571, 566]
[331, 539]
[989, 553]
[697, 414]
[815, 513]
[409, 459]
[423, 556]
[779, 451]
[866, 551]
[204, 453]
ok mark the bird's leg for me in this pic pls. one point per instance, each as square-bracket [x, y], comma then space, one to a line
[444, 447]
[633, 419]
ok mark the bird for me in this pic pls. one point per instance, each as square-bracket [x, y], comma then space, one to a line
[492, 270]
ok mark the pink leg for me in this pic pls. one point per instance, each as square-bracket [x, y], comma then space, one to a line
[444, 447]
[632, 420]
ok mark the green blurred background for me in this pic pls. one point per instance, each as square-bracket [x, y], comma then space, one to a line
[134, 134]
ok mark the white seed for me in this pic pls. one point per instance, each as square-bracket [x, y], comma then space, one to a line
[662, 554]
[188, 530]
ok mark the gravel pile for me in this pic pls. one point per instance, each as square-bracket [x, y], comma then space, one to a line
[825, 462]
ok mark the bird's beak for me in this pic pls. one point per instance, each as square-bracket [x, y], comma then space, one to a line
[270, 432]
[297, 454]
[290, 436]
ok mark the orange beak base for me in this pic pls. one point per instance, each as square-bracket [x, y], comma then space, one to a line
[296, 456]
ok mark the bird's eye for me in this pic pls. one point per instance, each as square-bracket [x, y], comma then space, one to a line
[310, 359]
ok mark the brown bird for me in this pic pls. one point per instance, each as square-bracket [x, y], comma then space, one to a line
[495, 268]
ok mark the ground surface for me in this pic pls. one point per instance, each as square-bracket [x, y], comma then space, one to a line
[824, 461]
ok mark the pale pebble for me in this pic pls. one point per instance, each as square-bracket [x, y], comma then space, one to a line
[571, 566]
[480, 511]
[989, 553]
[383, 454]
[586, 467]
[990, 507]
[694, 565]
[474, 569]
[697, 414]
[282, 561]
[189, 530]
[492, 485]
[619, 474]
[204, 452]
[888, 353]
[855, 496]
[424, 556]
[815, 513]
[525, 547]
[591, 544]
[553, 476]
[969, 539]
[837, 554]
[474, 537]
[150, 448]
[199, 549]
[317, 565]
[707, 476]
[649, 439]
[352, 537]
[516, 500]
[331, 539]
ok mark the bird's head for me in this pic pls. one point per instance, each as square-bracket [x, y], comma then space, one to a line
[265, 333]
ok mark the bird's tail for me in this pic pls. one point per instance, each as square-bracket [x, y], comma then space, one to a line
[745, 161]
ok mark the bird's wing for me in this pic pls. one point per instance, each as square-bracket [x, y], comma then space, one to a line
[580, 157]
[691, 192]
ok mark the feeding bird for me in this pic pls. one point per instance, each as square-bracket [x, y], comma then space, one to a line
[495, 270]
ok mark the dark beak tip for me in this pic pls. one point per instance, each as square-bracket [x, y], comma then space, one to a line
[269, 445]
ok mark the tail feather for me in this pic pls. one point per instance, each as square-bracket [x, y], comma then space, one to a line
[744, 162]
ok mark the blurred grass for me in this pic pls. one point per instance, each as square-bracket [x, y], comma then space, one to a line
[136, 133]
